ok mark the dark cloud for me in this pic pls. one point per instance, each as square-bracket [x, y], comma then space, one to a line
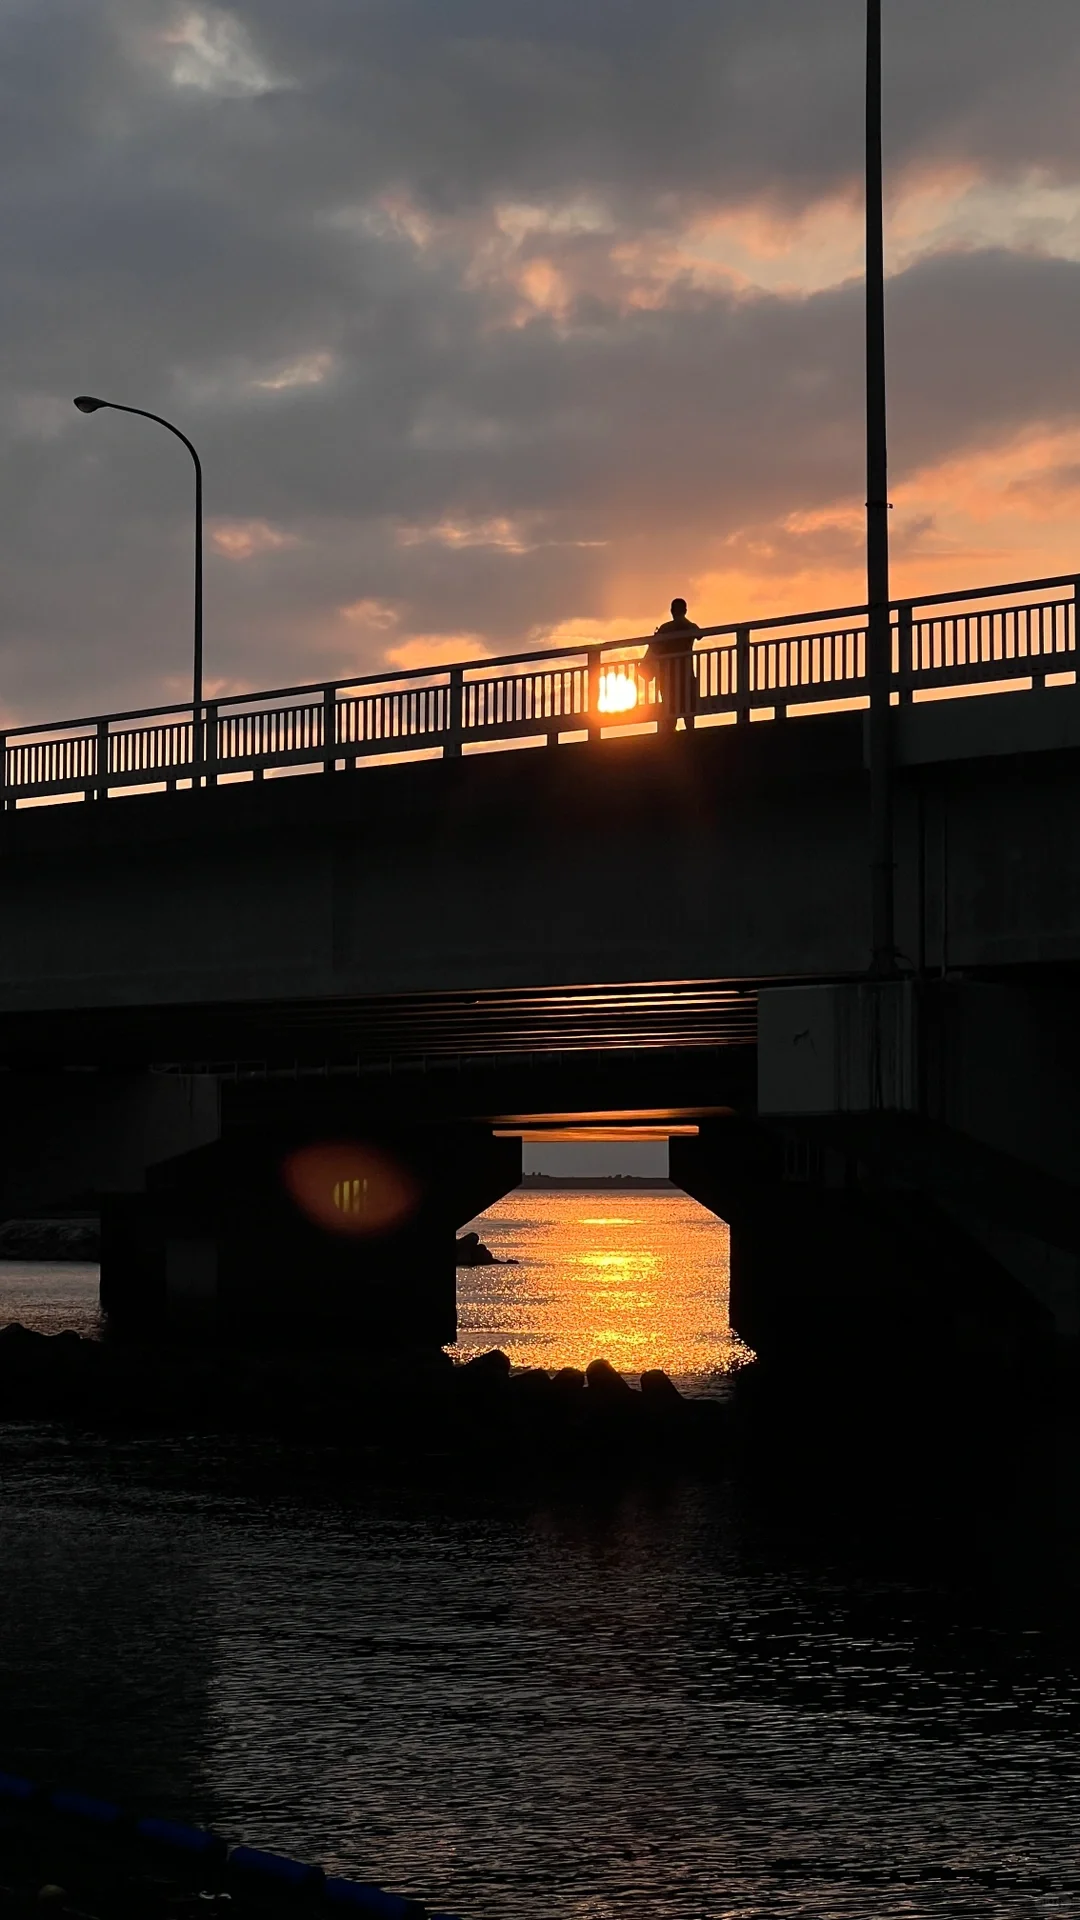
[293, 228]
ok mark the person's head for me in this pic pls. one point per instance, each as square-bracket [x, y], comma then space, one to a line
[678, 609]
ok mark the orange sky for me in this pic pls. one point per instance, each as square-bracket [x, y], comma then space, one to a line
[1004, 511]
[480, 356]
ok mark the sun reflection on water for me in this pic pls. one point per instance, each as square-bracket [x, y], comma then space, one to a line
[646, 1287]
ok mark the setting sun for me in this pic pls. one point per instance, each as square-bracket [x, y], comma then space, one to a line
[618, 692]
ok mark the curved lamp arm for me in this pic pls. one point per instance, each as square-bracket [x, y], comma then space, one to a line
[88, 403]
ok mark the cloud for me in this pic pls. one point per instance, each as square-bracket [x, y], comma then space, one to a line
[437, 650]
[212, 51]
[243, 539]
[500, 322]
[498, 532]
[310, 370]
[572, 633]
[374, 614]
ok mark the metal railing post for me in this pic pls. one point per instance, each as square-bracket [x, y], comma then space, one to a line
[329, 729]
[905, 640]
[210, 756]
[742, 673]
[455, 714]
[786, 677]
[101, 788]
[1072, 630]
[592, 697]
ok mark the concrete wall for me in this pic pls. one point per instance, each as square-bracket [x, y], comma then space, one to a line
[836, 1267]
[988, 831]
[65, 1138]
[974, 1147]
[220, 1245]
[715, 855]
[725, 854]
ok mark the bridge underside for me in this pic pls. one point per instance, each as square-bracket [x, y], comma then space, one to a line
[954, 1216]
[379, 1034]
[179, 1125]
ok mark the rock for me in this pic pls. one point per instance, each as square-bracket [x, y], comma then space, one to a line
[471, 1252]
[605, 1382]
[68, 1351]
[50, 1240]
[659, 1390]
[533, 1387]
[486, 1370]
[15, 1338]
[21, 1348]
[48, 1376]
[569, 1381]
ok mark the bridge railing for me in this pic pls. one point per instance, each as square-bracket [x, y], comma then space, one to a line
[1023, 632]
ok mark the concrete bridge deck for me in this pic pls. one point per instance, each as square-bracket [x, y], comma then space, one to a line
[475, 934]
[440, 908]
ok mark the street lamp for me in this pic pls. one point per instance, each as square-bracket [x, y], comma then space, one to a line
[879, 624]
[86, 403]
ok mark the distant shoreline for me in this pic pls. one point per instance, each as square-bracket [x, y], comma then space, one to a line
[597, 1183]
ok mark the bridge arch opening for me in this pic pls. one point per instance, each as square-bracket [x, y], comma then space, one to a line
[600, 1254]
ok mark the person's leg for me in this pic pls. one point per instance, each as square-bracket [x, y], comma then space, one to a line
[683, 690]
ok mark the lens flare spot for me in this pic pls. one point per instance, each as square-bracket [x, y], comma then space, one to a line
[348, 1187]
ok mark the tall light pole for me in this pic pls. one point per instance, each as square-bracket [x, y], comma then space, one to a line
[86, 403]
[879, 629]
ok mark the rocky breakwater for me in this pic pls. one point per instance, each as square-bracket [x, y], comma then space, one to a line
[471, 1252]
[390, 1407]
[50, 1240]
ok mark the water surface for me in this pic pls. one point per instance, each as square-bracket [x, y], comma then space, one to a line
[640, 1278]
[795, 1695]
[596, 1704]
[58, 1296]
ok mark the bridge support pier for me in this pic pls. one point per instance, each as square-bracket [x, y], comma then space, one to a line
[222, 1245]
[836, 1273]
[909, 1195]
[909, 1191]
[68, 1136]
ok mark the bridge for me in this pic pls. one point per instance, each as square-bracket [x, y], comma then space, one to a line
[211, 965]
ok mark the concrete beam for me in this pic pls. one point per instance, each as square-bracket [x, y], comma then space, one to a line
[66, 1138]
[720, 854]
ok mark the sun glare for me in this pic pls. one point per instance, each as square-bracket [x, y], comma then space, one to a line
[618, 693]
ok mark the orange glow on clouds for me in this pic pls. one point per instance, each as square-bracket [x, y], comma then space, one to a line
[1002, 513]
[243, 539]
[370, 613]
[759, 246]
[437, 650]
[1007, 512]
[498, 532]
[576, 633]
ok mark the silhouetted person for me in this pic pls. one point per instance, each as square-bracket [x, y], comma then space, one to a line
[670, 658]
